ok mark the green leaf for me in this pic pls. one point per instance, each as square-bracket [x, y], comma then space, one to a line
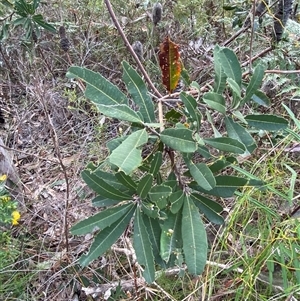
[126, 156]
[126, 180]
[109, 178]
[267, 122]
[202, 175]
[194, 238]
[237, 132]
[159, 195]
[292, 115]
[236, 93]
[99, 89]
[261, 98]
[204, 152]
[114, 143]
[101, 220]
[229, 63]
[7, 3]
[191, 106]
[39, 20]
[220, 76]
[209, 207]
[144, 186]
[226, 144]
[101, 201]
[222, 163]
[102, 187]
[255, 82]
[105, 238]
[143, 248]
[138, 90]
[225, 186]
[215, 101]
[171, 237]
[176, 199]
[179, 139]
[106, 96]
[19, 21]
[121, 112]
[150, 209]
[155, 164]
[36, 4]
[154, 231]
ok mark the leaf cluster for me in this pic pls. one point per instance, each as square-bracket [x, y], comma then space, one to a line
[23, 14]
[166, 205]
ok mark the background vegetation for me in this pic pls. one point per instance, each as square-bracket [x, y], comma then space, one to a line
[54, 132]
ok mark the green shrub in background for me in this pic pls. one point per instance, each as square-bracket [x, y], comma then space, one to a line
[23, 14]
[152, 177]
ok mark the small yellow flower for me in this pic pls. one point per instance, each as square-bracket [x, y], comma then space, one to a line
[3, 178]
[16, 216]
[5, 198]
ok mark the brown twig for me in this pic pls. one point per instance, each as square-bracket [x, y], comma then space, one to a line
[123, 36]
[262, 53]
[144, 72]
[252, 35]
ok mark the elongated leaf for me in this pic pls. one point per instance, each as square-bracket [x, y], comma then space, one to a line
[109, 178]
[292, 115]
[170, 64]
[154, 230]
[236, 93]
[215, 101]
[171, 237]
[208, 207]
[225, 186]
[202, 175]
[143, 248]
[226, 144]
[114, 143]
[108, 98]
[126, 180]
[230, 64]
[101, 220]
[191, 106]
[39, 20]
[236, 131]
[255, 82]
[120, 111]
[150, 209]
[103, 188]
[261, 98]
[105, 238]
[156, 163]
[127, 156]
[101, 201]
[179, 139]
[138, 90]
[99, 89]
[176, 199]
[194, 238]
[220, 76]
[159, 195]
[267, 122]
[144, 186]
[221, 163]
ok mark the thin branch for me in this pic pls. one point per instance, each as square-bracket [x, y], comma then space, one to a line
[40, 92]
[132, 52]
[122, 34]
[252, 35]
